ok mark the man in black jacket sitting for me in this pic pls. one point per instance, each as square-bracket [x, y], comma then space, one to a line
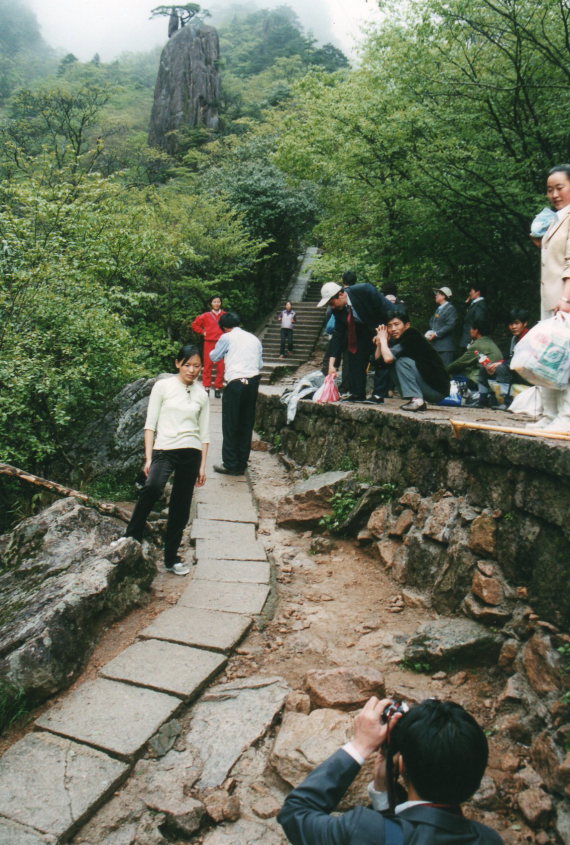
[419, 371]
[440, 752]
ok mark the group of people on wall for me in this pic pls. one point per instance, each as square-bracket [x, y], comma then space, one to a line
[372, 325]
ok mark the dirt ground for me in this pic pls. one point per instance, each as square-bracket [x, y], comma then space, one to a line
[333, 608]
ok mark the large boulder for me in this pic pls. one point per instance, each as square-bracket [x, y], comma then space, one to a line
[187, 92]
[345, 687]
[453, 641]
[114, 443]
[310, 500]
[59, 582]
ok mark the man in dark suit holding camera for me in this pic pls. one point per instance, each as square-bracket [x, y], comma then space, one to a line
[436, 747]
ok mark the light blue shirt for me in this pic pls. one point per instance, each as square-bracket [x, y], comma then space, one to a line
[242, 353]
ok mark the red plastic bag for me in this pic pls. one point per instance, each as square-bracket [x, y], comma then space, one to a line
[328, 392]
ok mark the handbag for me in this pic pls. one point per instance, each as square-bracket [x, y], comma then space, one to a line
[542, 356]
[328, 392]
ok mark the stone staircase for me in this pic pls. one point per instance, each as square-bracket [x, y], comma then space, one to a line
[310, 324]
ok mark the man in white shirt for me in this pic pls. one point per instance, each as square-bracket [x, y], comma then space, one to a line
[242, 354]
[436, 747]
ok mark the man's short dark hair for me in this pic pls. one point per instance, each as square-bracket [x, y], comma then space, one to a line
[479, 286]
[519, 314]
[389, 289]
[482, 325]
[445, 751]
[231, 320]
[349, 278]
[399, 312]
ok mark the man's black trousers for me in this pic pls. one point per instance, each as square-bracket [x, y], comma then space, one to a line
[185, 464]
[358, 361]
[238, 418]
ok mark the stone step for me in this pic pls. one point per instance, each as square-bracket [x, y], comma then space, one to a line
[50, 785]
[247, 551]
[167, 667]
[208, 629]
[229, 597]
[247, 571]
[224, 533]
[114, 717]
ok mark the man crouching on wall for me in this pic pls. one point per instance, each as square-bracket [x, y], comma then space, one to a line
[436, 748]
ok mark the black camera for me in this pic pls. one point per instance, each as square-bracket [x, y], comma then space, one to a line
[393, 709]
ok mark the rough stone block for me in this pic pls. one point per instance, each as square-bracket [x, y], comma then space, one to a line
[440, 520]
[489, 590]
[483, 535]
[203, 628]
[309, 500]
[458, 639]
[542, 664]
[167, 667]
[402, 524]
[226, 596]
[247, 571]
[228, 719]
[52, 784]
[248, 832]
[344, 688]
[115, 717]
[378, 520]
[303, 742]
[216, 551]
[224, 533]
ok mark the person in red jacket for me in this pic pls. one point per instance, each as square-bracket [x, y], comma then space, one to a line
[208, 325]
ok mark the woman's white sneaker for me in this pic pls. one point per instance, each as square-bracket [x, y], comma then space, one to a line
[178, 568]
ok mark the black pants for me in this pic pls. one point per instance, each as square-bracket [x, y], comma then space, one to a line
[185, 464]
[238, 418]
[358, 361]
[286, 340]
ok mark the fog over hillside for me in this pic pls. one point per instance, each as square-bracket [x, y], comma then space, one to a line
[109, 28]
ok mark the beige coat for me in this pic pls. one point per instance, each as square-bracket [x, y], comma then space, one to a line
[555, 262]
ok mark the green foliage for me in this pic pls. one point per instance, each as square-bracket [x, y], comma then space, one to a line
[13, 704]
[415, 666]
[23, 54]
[431, 156]
[343, 503]
[111, 488]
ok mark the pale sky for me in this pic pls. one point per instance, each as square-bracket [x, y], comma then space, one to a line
[110, 27]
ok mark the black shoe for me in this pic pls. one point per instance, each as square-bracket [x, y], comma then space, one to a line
[352, 398]
[217, 393]
[374, 400]
[225, 471]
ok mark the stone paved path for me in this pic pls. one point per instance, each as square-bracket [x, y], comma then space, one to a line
[85, 746]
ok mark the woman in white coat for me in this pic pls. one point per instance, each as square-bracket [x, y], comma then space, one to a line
[555, 288]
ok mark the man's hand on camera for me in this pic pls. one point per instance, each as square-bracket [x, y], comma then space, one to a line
[370, 732]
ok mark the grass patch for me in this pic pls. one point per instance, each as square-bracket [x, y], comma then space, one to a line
[13, 704]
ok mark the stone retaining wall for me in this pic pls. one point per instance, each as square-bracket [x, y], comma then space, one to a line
[515, 490]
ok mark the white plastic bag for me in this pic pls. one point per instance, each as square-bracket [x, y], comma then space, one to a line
[542, 356]
[527, 402]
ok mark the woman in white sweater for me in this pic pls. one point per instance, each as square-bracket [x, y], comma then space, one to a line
[176, 439]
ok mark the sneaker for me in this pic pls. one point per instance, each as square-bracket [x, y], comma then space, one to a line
[116, 544]
[416, 404]
[217, 393]
[178, 568]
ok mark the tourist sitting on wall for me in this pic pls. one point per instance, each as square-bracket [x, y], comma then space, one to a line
[481, 350]
[418, 371]
[500, 371]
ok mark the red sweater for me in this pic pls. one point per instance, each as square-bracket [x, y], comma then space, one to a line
[208, 324]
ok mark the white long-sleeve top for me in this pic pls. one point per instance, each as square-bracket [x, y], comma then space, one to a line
[179, 414]
[242, 352]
